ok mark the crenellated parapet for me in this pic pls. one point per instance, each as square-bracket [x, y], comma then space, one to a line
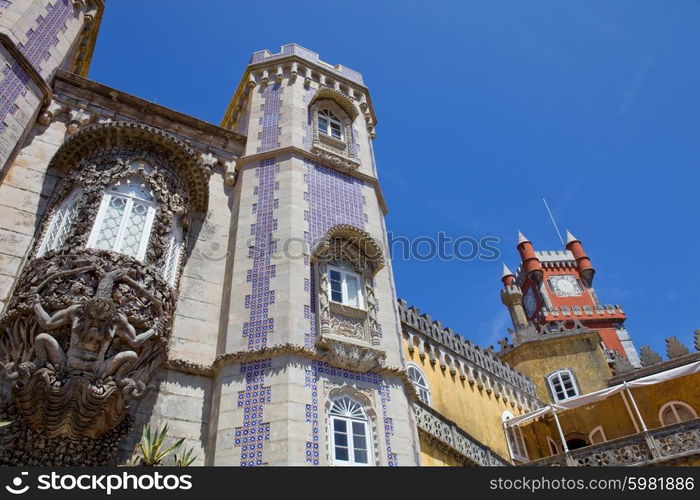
[294, 63]
[462, 357]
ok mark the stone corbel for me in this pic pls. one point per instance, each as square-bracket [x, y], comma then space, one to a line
[251, 81]
[230, 172]
[50, 112]
[209, 161]
[265, 78]
[279, 75]
[295, 72]
[78, 119]
[307, 78]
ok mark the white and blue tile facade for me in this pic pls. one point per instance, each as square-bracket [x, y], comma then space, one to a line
[38, 35]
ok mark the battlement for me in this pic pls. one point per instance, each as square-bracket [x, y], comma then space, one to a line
[600, 311]
[550, 259]
[555, 256]
[292, 49]
[481, 361]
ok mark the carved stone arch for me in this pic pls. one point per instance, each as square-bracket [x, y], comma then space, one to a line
[143, 140]
[338, 152]
[344, 241]
[105, 154]
[346, 103]
[366, 398]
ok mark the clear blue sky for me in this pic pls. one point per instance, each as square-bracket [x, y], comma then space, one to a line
[484, 108]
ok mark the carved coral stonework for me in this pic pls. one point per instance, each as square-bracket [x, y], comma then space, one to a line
[86, 329]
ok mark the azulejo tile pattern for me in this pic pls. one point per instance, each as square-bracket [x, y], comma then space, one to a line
[333, 198]
[254, 433]
[252, 436]
[308, 133]
[40, 40]
[260, 325]
[311, 380]
[270, 120]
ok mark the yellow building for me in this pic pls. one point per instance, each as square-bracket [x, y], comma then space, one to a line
[568, 388]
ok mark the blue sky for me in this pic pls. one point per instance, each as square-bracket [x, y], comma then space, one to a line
[484, 108]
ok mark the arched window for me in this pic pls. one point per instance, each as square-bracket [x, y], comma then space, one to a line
[172, 257]
[329, 124]
[420, 383]
[514, 438]
[597, 435]
[61, 222]
[675, 412]
[350, 433]
[124, 220]
[346, 285]
[562, 385]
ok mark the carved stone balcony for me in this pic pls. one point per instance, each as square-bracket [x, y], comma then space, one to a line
[664, 446]
[449, 438]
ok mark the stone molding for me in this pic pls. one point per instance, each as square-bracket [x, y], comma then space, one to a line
[674, 444]
[244, 162]
[449, 438]
[223, 360]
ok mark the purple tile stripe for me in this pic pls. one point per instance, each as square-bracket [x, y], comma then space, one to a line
[40, 40]
[251, 437]
[270, 120]
[311, 381]
[334, 198]
[255, 432]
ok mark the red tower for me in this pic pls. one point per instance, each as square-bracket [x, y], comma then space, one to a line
[557, 290]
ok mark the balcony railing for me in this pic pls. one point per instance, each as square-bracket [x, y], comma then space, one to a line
[450, 438]
[665, 444]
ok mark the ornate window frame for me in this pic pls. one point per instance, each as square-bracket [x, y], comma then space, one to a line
[60, 222]
[173, 257]
[351, 335]
[672, 406]
[366, 399]
[341, 151]
[420, 382]
[556, 379]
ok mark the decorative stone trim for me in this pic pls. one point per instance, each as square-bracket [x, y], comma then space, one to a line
[665, 446]
[449, 438]
[223, 360]
[116, 134]
[244, 161]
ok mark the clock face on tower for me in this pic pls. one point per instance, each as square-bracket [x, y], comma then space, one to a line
[530, 302]
[565, 286]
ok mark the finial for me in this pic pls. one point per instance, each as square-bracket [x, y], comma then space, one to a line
[570, 237]
[506, 271]
[522, 238]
